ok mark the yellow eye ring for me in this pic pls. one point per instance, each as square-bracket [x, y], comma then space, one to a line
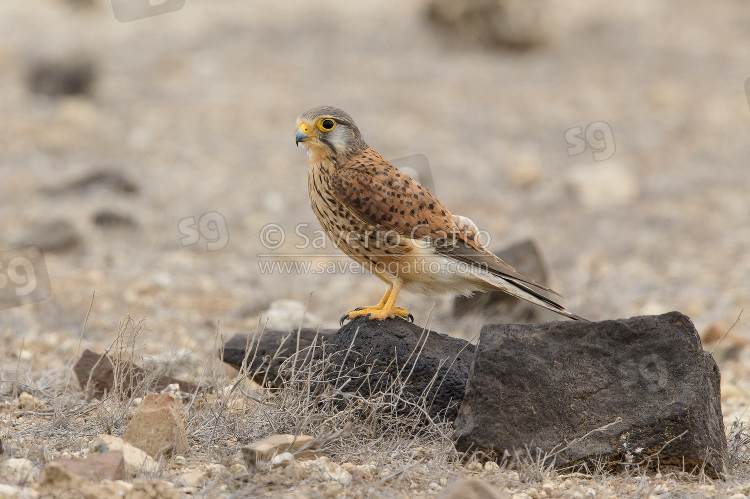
[326, 124]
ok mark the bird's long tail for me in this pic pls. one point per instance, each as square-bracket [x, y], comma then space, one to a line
[523, 291]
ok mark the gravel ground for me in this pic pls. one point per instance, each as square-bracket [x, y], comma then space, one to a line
[197, 108]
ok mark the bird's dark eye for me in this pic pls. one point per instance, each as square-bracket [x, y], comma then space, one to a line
[326, 124]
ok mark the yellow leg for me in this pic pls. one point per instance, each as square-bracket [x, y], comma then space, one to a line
[385, 309]
[384, 299]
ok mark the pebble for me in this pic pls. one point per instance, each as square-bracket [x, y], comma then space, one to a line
[574, 493]
[282, 460]
[157, 428]
[11, 492]
[17, 471]
[216, 470]
[237, 468]
[321, 470]
[53, 236]
[195, 478]
[603, 184]
[135, 459]
[29, 402]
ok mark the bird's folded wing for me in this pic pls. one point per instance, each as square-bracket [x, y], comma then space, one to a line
[385, 198]
[482, 259]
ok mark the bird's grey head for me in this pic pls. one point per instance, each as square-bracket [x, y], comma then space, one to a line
[329, 131]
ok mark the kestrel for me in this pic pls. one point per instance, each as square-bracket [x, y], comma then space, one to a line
[394, 227]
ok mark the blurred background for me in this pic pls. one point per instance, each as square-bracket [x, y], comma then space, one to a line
[149, 157]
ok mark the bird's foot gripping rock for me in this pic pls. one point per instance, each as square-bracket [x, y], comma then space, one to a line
[377, 313]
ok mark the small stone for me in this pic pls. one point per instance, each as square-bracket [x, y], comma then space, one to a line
[55, 236]
[17, 470]
[270, 446]
[237, 468]
[707, 489]
[281, 460]
[196, 478]
[135, 459]
[153, 489]
[434, 487]
[158, 428]
[521, 495]
[11, 492]
[29, 402]
[73, 75]
[321, 470]
[512, 476]
[179, 460]
[368, 471]
[107, 219]
[574, 493]
[603, 184]
[474, 466]
[525, 171]
[472, 489]
[105, 466]
[738, 495]
[216, 470]
[491, 466]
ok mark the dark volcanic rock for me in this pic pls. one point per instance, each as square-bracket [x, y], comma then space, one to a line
[500, 307]
[268, 351]
[57, 78]
[427, 363]
[108, 219]
[105, 466]
[646, 383]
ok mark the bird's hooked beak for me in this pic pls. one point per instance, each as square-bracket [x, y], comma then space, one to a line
[303, 134]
